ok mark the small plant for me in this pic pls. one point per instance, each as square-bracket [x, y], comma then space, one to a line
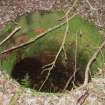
[25, 82]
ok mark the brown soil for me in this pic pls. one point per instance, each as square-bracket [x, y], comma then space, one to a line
[58, 76]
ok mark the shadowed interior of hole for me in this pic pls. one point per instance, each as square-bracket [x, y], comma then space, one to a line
[29, 73]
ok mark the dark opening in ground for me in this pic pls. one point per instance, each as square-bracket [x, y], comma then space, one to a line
[29, 72]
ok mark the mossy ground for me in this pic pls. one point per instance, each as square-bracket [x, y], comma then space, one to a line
[88, 39]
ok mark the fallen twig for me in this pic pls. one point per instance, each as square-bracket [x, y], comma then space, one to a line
[57, 55]
[82, 98]
[92, 59]
[10, 35]
[75, 69]
[38, 36]
[91, 7]
[68, 11]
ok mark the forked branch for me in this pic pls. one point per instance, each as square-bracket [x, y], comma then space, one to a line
[57, 55]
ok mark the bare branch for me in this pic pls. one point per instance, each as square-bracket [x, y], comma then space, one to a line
[38, 36]
[91, 62]
[82, 98]
[68, 11]
[91, 7]
[56, 57]
[75, 69]
[10, 35]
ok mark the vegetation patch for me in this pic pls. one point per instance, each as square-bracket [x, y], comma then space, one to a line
[30, 65]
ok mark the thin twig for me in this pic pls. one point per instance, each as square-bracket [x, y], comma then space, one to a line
[91, 62]
[91, 7]
[75, 69]
[38, 36]
[10, 35]
[82, 98]
[68, 11]
[65, 55]
[68, 81]
[57, 55]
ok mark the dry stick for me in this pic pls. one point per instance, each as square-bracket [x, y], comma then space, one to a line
[70, 8]
[91, 62]
[68, 81]
[65, 55]
[75, 2]
[75, 70]
[45, 67]
[56, 57]
[38, 36]
[93, 8]
[10, 35]
[82, 98]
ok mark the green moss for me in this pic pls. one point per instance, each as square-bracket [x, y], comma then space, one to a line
[8, 62]
[87, 34]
